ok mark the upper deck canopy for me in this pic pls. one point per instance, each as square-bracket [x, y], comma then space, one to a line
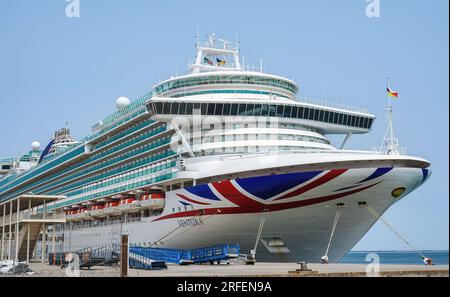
[226, 80]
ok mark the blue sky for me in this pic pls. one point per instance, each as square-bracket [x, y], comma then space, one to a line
[55, 69]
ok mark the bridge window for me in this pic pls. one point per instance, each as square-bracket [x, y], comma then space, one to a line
[219, 109]
[321, 115]
[257, 110]
[316, 115]
[226, 109]
[211, 107]
[280, 109]
[203, 108]
[286, 111]
[339, 118]
[166, 107]
[175, 106]
[234, 109]
[250, 109]
[182, 108]
[295, 112]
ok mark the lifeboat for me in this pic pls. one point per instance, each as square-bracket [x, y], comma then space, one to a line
[77, 214]
[128, 205]
[152, 201]
[97, 210]
[111, 208]
[82, 213]
[71, 214]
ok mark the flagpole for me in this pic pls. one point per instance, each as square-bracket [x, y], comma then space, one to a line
[391, 145]
[391, 132]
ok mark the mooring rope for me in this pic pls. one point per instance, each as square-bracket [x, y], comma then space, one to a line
[258, 235]
[336, 220]
[378, 216]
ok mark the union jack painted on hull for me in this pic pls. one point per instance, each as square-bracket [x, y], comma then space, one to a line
[268, 193]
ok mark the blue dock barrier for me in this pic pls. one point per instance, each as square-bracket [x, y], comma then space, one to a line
[147, 255]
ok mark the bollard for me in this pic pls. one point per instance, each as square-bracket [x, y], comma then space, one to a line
[303, 266]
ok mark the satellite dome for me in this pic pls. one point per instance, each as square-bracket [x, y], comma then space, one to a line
[36, 146]
[122, 102]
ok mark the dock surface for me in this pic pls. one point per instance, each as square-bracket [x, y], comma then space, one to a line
[258, 270]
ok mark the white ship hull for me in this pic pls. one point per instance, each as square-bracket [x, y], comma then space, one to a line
[295, 233]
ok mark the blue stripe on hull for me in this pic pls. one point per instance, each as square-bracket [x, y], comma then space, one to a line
[379, 172]
[203, 191]
[265, 187]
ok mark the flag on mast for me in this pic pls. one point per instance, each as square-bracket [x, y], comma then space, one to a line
[390, 92]
[207, 61]
[220, 62]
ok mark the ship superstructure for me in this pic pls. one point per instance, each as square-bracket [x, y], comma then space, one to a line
[214, 156]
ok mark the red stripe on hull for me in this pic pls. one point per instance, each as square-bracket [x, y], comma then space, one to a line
[318, 182]
[229, 191]
[191, 200]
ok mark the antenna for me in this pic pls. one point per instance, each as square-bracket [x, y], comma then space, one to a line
[197, 37]
[225, 43]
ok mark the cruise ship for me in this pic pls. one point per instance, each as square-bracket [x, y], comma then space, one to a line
[225, 154]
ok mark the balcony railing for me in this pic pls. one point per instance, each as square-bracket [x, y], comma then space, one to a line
[399, 151]
[26, 216]
[332, 104]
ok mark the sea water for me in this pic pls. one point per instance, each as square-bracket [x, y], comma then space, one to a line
[396, 257]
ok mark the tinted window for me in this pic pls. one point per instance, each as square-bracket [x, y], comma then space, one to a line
[280, 109]
[326, 116]
[307, 112]
[287, 111]
[203, 107]
[234, 109]
[340, 119]
[250, 108]
[182, 109]
[344, 119]
[301, 110]
[241, 110]
[174, 109]
[226, 109]
[337, 117]
[189, 107]
[321, 113]
[211, 107]
[150, 108]
[316, 115]
[295, 112]
[219, 109]
[265, 110]
[257, 110]
[166, 108]
[272, 110]
[158, 106]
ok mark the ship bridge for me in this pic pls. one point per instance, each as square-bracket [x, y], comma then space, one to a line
[246, 111]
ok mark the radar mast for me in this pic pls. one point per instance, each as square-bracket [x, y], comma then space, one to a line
[216, 55]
